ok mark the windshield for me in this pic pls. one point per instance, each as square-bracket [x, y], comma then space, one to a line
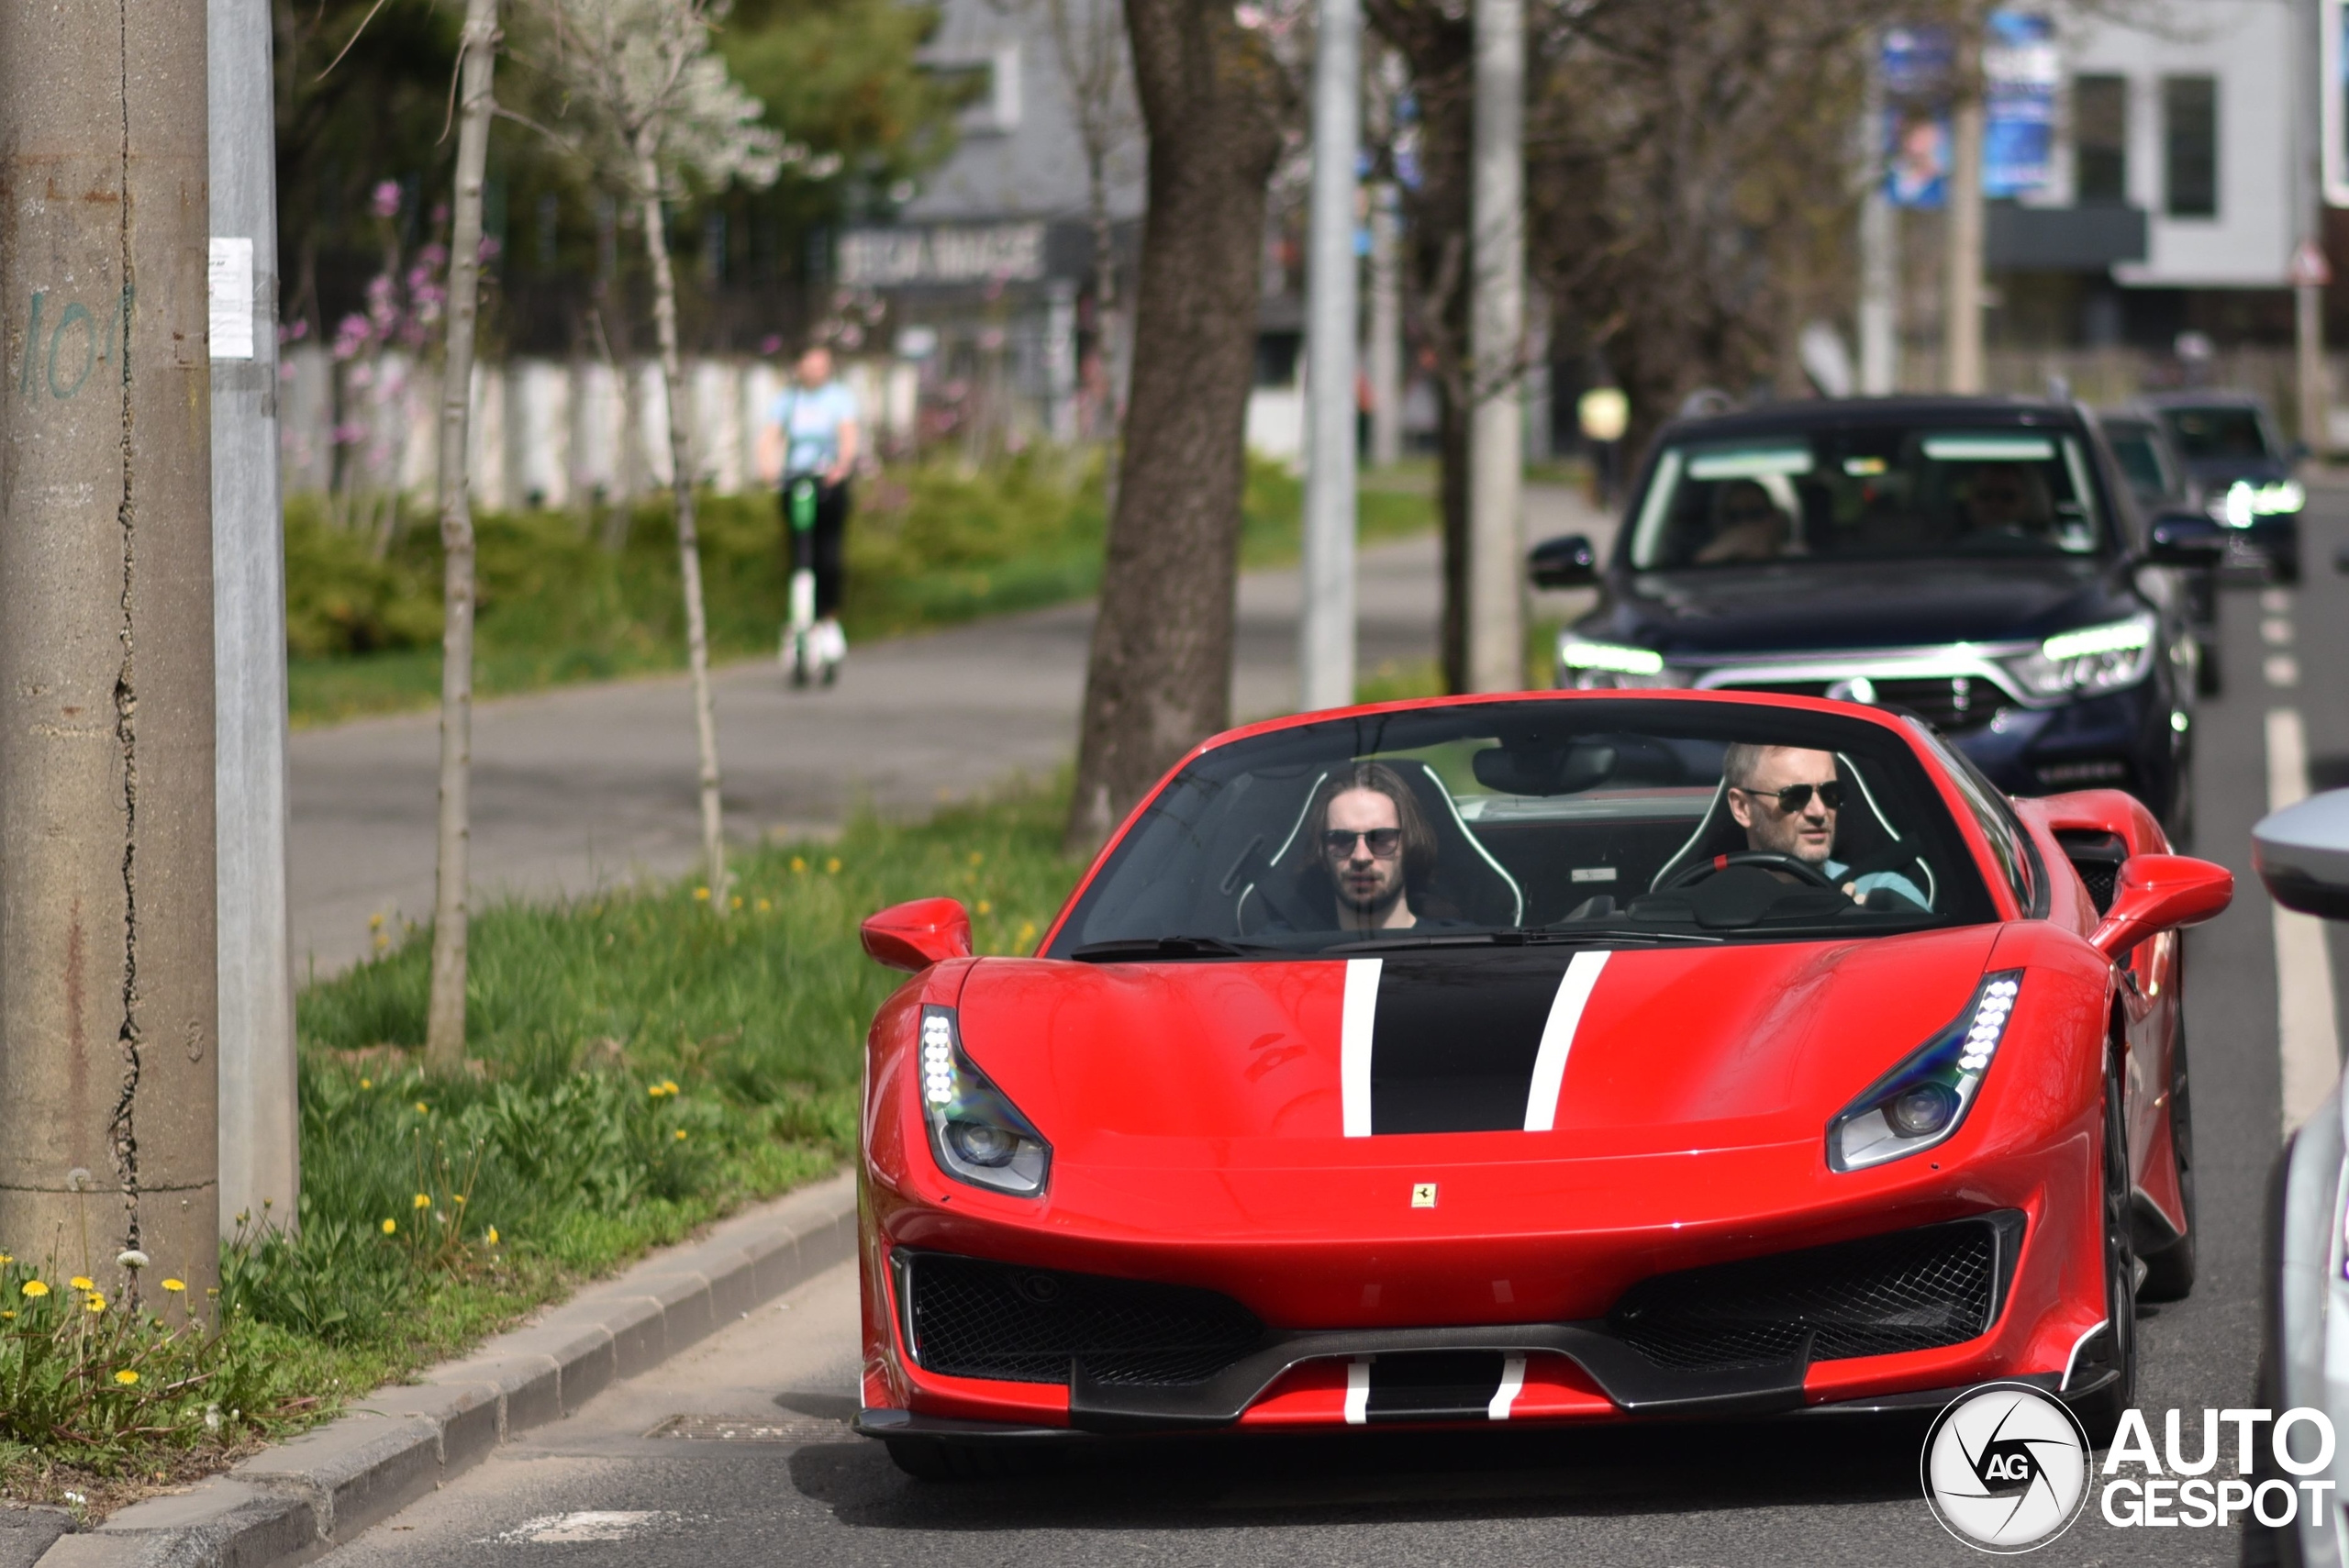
[1867, 490]
[1603, 821]
[2207, 435]
[2139, 454]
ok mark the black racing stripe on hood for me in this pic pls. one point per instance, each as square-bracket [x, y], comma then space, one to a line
[1457, 1036]
[1434, 1385]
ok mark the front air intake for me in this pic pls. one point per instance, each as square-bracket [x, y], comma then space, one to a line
[969, 1317]
[1910, 1290]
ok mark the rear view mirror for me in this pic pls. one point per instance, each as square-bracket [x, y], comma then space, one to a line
[1567, 562]
[2302, 854]
[915, 936]
[2153, 894]
[1559, 770]
[2185, 539]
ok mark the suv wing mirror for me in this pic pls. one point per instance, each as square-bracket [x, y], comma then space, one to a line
[2302, 854]
[2185, 539]
[1567, 562]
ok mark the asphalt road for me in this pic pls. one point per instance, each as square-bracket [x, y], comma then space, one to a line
[771, 1475]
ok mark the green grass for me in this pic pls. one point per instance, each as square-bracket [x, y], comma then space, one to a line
[929, 546]
[600, 1030]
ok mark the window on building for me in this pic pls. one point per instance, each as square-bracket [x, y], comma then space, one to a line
[2100, 140]
[2190, 146]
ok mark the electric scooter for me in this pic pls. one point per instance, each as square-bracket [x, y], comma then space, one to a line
[798, 654]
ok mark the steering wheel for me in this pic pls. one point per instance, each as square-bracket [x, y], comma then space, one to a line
[1768, 859]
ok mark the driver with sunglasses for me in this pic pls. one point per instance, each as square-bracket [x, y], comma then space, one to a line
[1787, 800]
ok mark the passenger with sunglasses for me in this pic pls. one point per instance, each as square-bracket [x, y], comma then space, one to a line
[1789, 800]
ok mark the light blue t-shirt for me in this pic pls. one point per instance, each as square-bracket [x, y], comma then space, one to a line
[811, 418]
[1875, 879]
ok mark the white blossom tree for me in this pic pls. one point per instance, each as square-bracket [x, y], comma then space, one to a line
[649, 102]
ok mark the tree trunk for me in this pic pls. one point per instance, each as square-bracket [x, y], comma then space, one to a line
[1159, 677]
[1105, 314]
[444, 1039]
[681, 485]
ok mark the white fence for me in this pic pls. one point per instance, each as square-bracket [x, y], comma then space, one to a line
[544, 432]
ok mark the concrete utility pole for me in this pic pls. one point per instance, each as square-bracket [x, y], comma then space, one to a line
[1385, 327]
[1879, 251]
[2310, 274]
[1325, 653]
[109, 1017]
[1961, 324]
[260, 1161]
[1497, 331]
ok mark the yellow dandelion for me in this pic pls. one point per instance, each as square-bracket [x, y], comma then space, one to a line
[832, 866]
[1027, 931]
[458, 1198]
[423, 1109]
[4, 1259]
[175, 1285]
[737, 901]
[655, 1090]
[668, 1085]
[382, 941]
[702, 893]
[366, 1083]
[35, 1289]
[421, 1200]
[493, 1234]
[764, 905]
[7, 1314]
[81, 1282]
[98, 1303]
[679, 1135]
[375, 921]
[985, 908]
[126, 1377]
[976, 858]
[391, 1226]
[797, 866]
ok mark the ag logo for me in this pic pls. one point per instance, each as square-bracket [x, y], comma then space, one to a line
[2006, 1467]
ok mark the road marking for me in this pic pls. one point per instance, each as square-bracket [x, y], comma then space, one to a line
[2276, 630]
[593, 1524]
[2307, 1039]
[2282, 669]
[2274, 601]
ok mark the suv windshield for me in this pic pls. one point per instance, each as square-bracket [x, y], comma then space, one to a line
[2138, 449]
[2206, 435]
[1867, 490]
[1602, 821]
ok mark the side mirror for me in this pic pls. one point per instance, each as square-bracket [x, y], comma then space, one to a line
[2185, 539]
[2161, 893]
[2302, 854]
[1567, 562]
[915, 936]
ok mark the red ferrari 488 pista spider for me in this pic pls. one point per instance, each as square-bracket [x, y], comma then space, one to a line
[1551, 1058]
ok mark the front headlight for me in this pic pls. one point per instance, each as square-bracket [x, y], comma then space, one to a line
[2095, 658]
[2242, 502]
[1586, 667]
[1920, 1102]
[976, 1134]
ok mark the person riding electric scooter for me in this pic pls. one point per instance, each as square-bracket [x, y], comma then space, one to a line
[809, 447]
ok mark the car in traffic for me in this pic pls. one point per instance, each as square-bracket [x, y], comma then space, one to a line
[2248, 473]
[1978, 561]
[1544, 1058]
[2156, 475]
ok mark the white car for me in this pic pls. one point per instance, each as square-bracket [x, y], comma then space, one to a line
[2302, 854]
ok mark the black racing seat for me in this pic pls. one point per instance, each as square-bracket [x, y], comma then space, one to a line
[1288, 886]
[1864, 840]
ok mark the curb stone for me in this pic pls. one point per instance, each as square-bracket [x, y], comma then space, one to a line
[298, 1499]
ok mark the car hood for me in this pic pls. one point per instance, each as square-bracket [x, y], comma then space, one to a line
[1303, 1063]
[1799, 606]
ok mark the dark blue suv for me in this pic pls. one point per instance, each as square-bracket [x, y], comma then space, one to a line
[1978, 561]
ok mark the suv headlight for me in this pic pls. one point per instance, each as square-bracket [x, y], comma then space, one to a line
[2242, 501]
[2093, 659]
[1585, 665]
[976, 1134]
[1920, 1102]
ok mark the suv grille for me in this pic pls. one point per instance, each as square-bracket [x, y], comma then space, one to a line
[1948, 702]
[973, 1319]
[1913, 1290]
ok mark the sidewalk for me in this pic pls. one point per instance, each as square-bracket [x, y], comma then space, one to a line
[595, 784]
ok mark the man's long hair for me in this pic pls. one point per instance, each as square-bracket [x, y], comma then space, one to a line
[1419, 842]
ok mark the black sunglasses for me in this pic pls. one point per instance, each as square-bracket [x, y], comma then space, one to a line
[1384, 842]
[1794, 798]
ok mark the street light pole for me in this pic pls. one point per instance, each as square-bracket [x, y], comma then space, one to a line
[108, 1002]
[1962, 326]
[1326, 623]
[1879, 256]
[260, 1154]
[1497, 329]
